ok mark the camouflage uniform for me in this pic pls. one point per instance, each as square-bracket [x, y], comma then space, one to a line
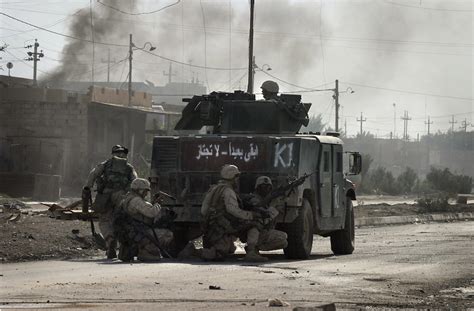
[223, 217]
[265, 237]
[134, 222]
[113, 178]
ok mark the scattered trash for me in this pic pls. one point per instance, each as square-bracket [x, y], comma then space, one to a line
[214, 287]
[157, 283]
[267, 271]
[375, 279]
[312, 283]
[327, 307]
[200, 283]
[275, 302]
[14, 217]
[75, 231]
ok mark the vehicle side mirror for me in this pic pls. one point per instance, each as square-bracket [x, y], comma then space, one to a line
[355, 163]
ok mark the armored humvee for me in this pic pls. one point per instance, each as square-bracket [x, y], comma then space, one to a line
[261, 138]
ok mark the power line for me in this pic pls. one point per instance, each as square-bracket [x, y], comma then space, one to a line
[118, 45]
[425, 8]
[58, 33]
[408, 92]
[92, 37]
[142, 13]
[292, 84]
[46, 26]
[320, 37]
[205, 43]
[191, 65]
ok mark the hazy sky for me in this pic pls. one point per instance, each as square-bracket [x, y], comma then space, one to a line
[417, 54]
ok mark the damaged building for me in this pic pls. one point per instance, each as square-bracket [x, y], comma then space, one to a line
[51, 138]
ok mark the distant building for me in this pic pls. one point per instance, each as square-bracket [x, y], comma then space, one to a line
[60, 134]
[169, 97]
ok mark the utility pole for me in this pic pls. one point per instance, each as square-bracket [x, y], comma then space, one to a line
[361, 120]
[336, 100]
[429, 123]
[251, 58]
[405, 119]
[35, 57]
[464, 125]
[170, 73]
[108, 64]
[394, 119]
[452, 122]
[130, 57]
[345, 127]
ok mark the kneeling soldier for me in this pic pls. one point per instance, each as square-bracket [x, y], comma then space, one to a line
[139, 225]
[263, 237]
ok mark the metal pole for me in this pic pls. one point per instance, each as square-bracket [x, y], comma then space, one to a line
[250, 69]
[130, 51]
[336, 98]
[108, 66]
[35, 59]
[394, 119]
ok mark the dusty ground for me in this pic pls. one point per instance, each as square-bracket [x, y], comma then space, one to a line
[36, 236]
[29, 235]
[415, 266]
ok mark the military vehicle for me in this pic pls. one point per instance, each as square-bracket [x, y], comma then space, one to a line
[261, 138]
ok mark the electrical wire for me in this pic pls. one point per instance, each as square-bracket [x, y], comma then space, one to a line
[191, 65]
[92, 37]
[58, 33]
[292, 84]
[425, 8]
[118, 45]
[408, 92]
[205, 43]
[142, 13]
[321, 37]
[46, 26]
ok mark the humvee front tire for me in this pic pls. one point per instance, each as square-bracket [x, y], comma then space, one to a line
[342, 241]
[300, 234]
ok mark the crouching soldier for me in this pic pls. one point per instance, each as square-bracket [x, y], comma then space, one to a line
[113, 178]
[263, 237]
[140, 225]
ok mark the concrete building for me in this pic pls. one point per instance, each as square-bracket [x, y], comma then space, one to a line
[53, 137]
[169, 97]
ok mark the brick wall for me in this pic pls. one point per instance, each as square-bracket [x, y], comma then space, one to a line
[46, 129]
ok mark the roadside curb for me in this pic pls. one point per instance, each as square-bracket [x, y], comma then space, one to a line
[392, 220]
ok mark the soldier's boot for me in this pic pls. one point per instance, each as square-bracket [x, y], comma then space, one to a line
[149, 253]
[254, 256]
[189, 252]
[111, 246]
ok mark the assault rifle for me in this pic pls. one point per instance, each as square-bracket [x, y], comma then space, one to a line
[158, 197]
[86, 204]
[281, 191]
[285, 190]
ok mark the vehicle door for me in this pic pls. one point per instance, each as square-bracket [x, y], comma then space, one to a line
[326, 182]
[338, 181]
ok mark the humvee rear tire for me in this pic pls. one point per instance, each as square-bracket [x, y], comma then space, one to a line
[300, 234]
[342, 241]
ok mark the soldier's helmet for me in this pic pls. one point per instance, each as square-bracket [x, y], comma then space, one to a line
[140, 184]
[119, 148]
[229, 172]
[263, 180]
[270, 86]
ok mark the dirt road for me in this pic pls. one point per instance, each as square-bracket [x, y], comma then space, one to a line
[425, 265]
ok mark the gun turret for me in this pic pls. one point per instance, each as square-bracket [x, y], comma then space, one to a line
[240, 113]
